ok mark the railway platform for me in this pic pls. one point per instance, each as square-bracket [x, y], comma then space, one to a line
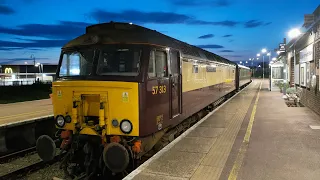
[22, 112]
[253, 136]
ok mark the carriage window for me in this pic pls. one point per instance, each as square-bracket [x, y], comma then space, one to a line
[157, 64]
[195, 69]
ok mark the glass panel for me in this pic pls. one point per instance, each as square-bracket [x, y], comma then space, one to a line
[161, 64]
[195, 69]
[174, 63]
[120, 62]
[277, 73]
[302, 75]
[152, 65]
[157, 64]
[76, 63]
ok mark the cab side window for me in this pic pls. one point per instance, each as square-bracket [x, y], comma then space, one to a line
[158, 64]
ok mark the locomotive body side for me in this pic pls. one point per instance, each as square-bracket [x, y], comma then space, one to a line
[191, 85]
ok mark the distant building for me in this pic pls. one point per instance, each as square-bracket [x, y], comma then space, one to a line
[26, 74]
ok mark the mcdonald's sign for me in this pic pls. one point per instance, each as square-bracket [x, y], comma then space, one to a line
[8, 71]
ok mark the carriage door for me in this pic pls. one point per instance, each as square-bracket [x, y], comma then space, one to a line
[175, 81]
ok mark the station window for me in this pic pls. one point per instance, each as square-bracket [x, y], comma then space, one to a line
[302, 76]
[158, 64]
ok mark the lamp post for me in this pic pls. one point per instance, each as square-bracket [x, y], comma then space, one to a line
[258, 55]
[26, 63]
[264, 50]
[34, 63]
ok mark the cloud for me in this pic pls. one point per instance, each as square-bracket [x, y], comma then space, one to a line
[221, 23]
[255, 23]
[211, 3]
[139, 17]
[64, 29]
[268, 23]
[33, 44]
[9, 48]
[227, 35]
[210, 46]
[232, 56]
[6, 10]
[206, 36]
[226, 51]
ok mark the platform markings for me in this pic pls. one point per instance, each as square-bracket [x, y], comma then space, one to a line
[244, 146]
[314, 127]
[25, 114]
[24, 121]
[175, 141]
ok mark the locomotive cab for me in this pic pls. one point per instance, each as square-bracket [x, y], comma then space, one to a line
[109, 96]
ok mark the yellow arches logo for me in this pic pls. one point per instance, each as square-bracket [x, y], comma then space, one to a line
[8, 71]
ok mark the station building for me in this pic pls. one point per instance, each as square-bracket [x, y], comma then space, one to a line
[26, 74]
[302, 59]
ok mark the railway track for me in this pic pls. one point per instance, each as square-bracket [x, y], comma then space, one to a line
[15, 155]
[21, 172]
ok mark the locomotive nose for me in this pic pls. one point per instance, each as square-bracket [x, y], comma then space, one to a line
[46, 148]
[116, 157]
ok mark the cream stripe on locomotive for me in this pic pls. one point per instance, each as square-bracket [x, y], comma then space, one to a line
[196, 75]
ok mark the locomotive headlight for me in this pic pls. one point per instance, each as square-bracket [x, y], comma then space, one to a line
[126, 126]
[60, 121]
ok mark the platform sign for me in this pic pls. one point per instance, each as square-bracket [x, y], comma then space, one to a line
[282, 47]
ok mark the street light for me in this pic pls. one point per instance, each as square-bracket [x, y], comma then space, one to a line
[293, 33]
[26, 63]
[264, 50]
[258, 55]
[240, 62]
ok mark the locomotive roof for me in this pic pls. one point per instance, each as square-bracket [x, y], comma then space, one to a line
[244, 67]
[129, 33]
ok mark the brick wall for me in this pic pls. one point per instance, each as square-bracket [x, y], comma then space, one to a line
[310, 97]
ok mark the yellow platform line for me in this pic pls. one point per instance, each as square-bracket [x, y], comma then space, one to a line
[244, 146]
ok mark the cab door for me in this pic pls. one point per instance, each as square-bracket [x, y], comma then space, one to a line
[175, 84]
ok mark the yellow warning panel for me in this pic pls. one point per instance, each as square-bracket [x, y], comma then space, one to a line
[125, 97]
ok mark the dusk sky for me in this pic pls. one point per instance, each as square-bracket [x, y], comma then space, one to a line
[234, 29]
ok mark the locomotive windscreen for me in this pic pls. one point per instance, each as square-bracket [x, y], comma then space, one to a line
[104, 61]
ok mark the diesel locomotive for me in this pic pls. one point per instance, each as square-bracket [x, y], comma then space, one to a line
[123, 90]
